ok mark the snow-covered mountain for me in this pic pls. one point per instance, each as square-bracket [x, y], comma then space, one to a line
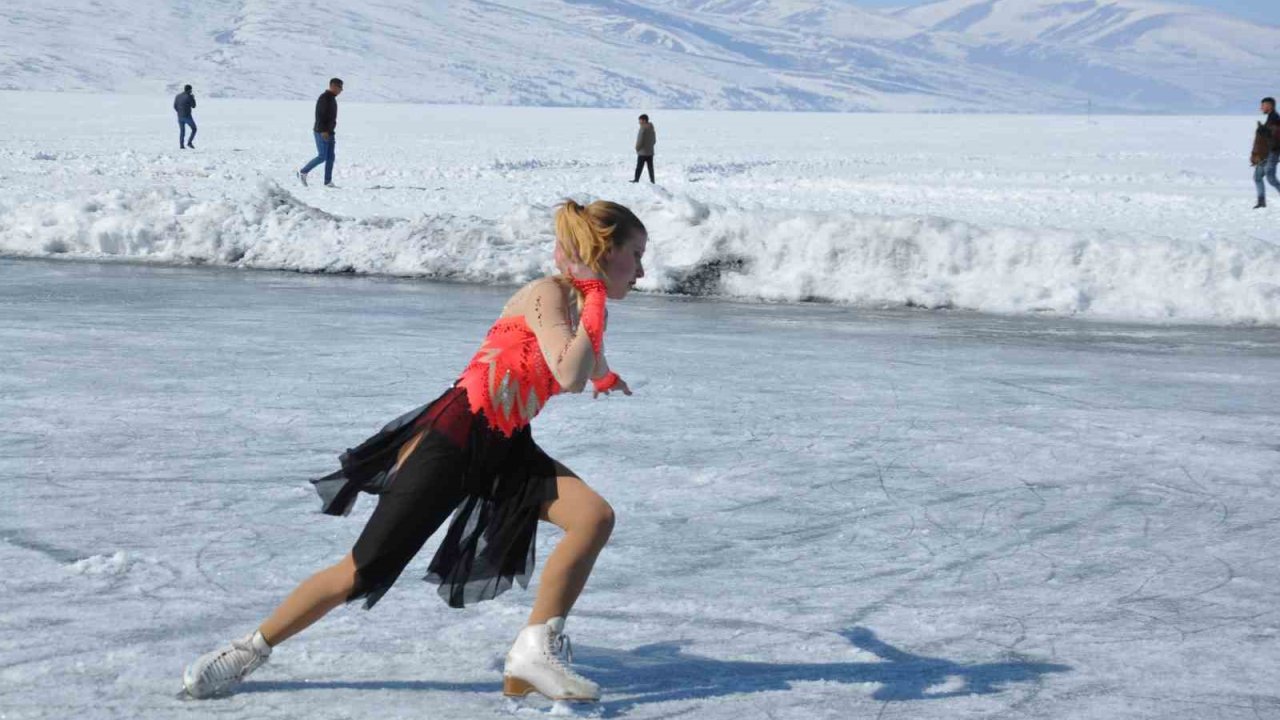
[1132, 26]
[1122, 53]
[954, 55]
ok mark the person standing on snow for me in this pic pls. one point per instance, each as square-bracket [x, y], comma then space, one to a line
[183, 103]
[1266, 151]
[645, 140]
[324, 131]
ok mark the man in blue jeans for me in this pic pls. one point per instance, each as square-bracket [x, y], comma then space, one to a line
[1268, 140]
[183, 103]
[326, 139]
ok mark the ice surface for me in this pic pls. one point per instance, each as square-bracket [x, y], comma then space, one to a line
[824, 511]
[1132, 218]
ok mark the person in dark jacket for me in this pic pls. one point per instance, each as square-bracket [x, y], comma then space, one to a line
[183, 103]
[324, 131]
[645, 140]
[1266, 137]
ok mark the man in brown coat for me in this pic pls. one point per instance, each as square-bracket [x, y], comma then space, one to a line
[645, 140]
[1266, 151]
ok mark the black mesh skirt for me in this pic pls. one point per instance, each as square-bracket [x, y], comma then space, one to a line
[493, 485]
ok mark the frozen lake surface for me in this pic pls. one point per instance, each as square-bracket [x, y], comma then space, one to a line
[824, 512]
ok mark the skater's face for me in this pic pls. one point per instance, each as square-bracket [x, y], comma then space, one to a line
[623, 265]
[1266, 108]
[335, 89]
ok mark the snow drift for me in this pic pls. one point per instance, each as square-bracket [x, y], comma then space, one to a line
[695, 248]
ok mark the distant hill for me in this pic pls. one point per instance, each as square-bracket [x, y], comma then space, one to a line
[953, 55]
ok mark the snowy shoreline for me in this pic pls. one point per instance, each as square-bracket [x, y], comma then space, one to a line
[699, 249]
[1117, 218]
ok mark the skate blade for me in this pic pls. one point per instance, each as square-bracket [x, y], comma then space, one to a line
[559, 708]
[185, 695]
[517, 688]
[514, 687]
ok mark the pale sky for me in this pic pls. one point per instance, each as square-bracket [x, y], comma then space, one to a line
[1263, 11]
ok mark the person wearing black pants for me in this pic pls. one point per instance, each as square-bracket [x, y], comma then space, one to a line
[183, 104]
[1266, 151]
[645, 140]
[324, 131]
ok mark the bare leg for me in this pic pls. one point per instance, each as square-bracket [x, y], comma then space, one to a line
[322, 592]
[310, 601]
[587, 521]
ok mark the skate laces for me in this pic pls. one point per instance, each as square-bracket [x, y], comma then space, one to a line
[562, 646]
[236, 661]
[226, 666]
[561, 653]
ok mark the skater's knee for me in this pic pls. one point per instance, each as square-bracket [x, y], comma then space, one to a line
[599, 522]
[593, 522]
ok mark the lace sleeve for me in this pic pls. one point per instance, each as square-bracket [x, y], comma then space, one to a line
[570, 355]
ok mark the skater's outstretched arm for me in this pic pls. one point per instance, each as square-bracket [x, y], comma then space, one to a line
[570, 353]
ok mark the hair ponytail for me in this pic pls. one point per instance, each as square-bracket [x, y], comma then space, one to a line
[578, 238]
[588, 233]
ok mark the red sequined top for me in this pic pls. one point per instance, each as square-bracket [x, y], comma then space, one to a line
[508, 378]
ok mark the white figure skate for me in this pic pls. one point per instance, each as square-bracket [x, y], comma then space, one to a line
[539, 662]
[217, 672]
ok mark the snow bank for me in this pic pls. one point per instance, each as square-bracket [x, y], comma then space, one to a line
[696, 248]
[274, 230]
[941, 263]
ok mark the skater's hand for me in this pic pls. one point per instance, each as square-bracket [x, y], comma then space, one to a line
[620, 386]
[325, 135]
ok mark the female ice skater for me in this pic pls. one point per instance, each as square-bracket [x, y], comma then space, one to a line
[471, 451]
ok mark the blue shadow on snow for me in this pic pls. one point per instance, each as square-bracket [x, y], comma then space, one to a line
[662, 672]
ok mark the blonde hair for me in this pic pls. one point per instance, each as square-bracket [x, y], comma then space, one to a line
[589, 233]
